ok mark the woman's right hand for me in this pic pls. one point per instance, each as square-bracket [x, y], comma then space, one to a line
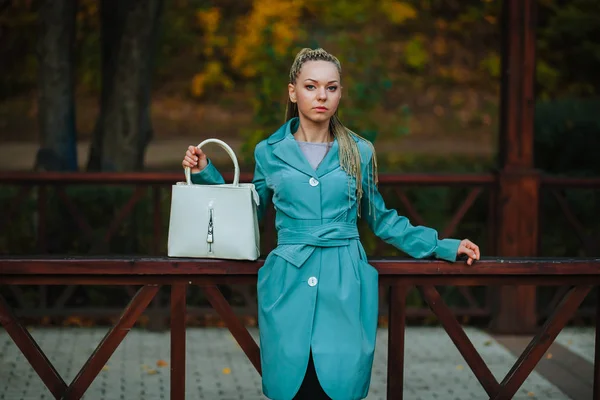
[195, 159]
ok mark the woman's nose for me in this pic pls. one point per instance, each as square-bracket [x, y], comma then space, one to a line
[322, 94]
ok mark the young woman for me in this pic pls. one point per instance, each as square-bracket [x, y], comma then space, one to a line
[317, 295]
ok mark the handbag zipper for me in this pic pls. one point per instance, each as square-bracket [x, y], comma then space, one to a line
[209, 238]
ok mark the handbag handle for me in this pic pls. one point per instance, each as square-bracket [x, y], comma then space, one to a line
[236, 176]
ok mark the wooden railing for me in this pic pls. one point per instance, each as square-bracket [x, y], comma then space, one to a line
[156, 188]
[157, 184]
[579, 276]
[476, 190]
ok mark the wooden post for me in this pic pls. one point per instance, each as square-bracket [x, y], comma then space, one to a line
[396, 332]
[518, 194]
[178, 337]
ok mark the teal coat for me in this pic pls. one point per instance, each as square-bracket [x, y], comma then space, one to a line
[316, 290]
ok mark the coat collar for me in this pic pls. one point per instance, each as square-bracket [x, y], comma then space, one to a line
[285, 147]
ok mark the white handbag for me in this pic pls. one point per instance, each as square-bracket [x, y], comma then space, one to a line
[214, 221]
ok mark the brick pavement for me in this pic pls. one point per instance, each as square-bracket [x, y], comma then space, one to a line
[218, 370]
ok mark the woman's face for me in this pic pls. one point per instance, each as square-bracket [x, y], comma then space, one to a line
[317, 90]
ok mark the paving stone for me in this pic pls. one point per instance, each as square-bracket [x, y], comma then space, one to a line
[579, 340]
[217, 369]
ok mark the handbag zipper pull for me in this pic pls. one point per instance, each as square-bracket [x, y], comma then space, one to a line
[209, 238]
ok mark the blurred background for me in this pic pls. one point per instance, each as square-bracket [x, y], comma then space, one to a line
[123, 86]
[421, 78]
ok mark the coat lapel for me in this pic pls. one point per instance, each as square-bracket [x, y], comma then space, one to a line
[288, 151]
[330, 162]
[332, 159]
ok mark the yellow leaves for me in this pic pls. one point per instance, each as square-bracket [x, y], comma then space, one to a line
[271, 22]
[398, 12]
[105, 368]
[209, 19]
[212, 77]
[415, 54]
[549, 356]
[73, 321]
[162, 363]
[283, 37]
[198, 85]
[491, 19]
[460, 367]
[148, 370]
[226, 371]
[491, 64]
[530, 394]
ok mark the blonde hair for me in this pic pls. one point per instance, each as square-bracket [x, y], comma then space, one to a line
[350, 160]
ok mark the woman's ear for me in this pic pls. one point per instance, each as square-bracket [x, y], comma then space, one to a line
[292, 92]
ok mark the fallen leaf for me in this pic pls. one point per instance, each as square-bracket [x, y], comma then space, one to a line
[487, 343]
[226, 371]
[530, 394]
[152, 372]
[569, 341]
[105, 368]
[549, 356]
[460, 367]
[73, 321]
[161, 363]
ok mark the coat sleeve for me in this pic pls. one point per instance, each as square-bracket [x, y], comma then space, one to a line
[265, 193]
[208, 176]
[416, 241]
[211, 176]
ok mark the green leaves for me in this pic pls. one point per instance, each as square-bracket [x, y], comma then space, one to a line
[415, 54]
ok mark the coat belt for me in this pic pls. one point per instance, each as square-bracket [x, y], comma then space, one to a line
[296, 245]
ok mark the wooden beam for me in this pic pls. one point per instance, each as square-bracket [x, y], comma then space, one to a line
[111, 341]
[235, 326]
[460, 339]
[518, 194]
[541, 343]
[32, 352]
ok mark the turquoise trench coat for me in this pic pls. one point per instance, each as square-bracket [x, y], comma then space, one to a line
[316, 289]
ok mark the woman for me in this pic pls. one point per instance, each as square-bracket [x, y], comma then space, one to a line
[317, 295]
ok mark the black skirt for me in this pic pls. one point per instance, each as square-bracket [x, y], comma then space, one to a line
[311, 388]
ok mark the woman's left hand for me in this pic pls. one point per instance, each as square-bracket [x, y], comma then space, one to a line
[469, 249]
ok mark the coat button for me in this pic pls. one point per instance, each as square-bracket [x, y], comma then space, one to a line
[312, 281]
[313, 182]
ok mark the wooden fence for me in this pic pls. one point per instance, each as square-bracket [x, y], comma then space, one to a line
[579, 277]
[478, 191]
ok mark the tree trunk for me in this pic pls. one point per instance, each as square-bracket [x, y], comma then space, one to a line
[58, 149]
[124, 129]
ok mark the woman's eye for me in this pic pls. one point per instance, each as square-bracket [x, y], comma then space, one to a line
[310, 87]
[332, 88]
